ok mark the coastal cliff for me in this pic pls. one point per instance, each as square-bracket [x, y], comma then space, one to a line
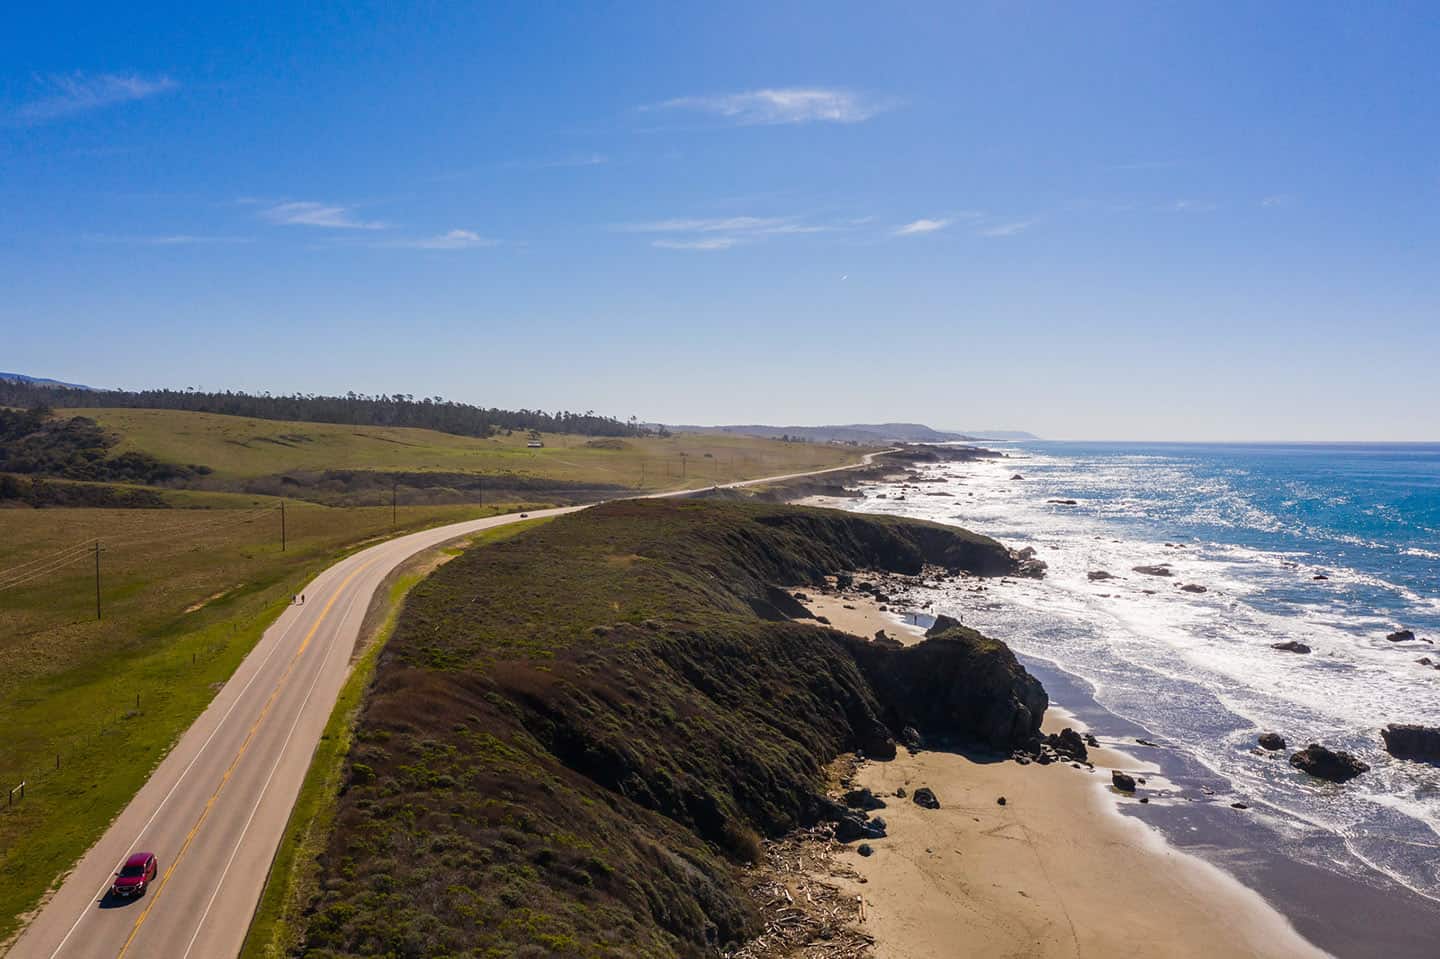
[575, 738]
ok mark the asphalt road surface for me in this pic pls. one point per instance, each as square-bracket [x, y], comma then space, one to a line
[215, 809]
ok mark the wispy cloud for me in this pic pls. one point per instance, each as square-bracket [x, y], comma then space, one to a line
[1013, 228]
[708, 243]
[1191, 206]
[167, 239]
[722, 233]
[309, 213]
[452, 240]
[729, 224]
[783, 105]
[583, 159]
[68, 94]
[1279, 199]
[916, 227]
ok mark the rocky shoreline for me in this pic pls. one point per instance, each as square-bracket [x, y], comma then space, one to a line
[599, 721]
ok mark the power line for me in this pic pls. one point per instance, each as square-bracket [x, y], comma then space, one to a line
[18, 567]
[73, 554]
[45, 572]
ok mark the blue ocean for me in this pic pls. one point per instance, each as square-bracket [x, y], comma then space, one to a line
[1334, 546]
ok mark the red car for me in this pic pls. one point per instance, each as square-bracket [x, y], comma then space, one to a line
[136, 875]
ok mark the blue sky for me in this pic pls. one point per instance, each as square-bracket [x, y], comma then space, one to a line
[1124, 221]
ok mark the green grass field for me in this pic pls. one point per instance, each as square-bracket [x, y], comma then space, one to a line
[187, 591]
[237, 448]
[279, 916]
[185, 594]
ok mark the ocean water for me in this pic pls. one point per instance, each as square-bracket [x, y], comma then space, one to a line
[1256, 525]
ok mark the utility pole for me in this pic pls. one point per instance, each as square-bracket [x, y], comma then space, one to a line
[282, 526]
[97, 579]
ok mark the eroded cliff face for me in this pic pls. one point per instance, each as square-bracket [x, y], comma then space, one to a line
[956, 687]
[576, 735]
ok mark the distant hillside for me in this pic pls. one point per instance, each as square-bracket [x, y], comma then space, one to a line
[352, 409]
[40, 381]
[848, 433]
[1003, 435]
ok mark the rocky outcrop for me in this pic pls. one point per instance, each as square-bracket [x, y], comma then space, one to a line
[1122, 781]
[957, 686]
[1194, 588]
[941, 624]
[1411, 741]
[1336, 766]
[1069, 744]
[863, 799]
[1291, 646]
[1162, 569]
[1402, 636]
[1272, 741]
[1098, 575]
[925, 796]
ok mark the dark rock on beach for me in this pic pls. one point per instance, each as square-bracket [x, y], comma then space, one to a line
[1336, 766]
[863, 799]
[957, 685]
[1067, 742]
[1193, 588]
[942, 623]
[1122, 782]
[1063, 502]
[925, 796]
[1402, 636]
[1098, 574]
[1411, 741]
[1272, 741]
[1162, 569]
[1291, 646]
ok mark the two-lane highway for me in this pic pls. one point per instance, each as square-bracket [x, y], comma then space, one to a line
[214, 811]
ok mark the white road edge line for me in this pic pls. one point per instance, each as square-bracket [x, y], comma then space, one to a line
[279, 755]
[200, 752]
[865, 460]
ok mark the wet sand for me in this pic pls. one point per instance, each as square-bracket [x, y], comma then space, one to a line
[1056, 871]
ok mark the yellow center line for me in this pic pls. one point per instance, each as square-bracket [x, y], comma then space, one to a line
[244, 746]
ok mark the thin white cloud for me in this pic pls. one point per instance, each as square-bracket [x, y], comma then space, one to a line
[452, 240]
[167, 239]
[729, 224]
[708, 243]
[68, 94]
[721, 233]
[309, 213]
[783, 105]
[917, 227]
[1192, 206]
[584, 159]
[1279, 199]
[1013, 228]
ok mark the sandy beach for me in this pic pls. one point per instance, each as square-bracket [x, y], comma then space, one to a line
[1055, 871]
